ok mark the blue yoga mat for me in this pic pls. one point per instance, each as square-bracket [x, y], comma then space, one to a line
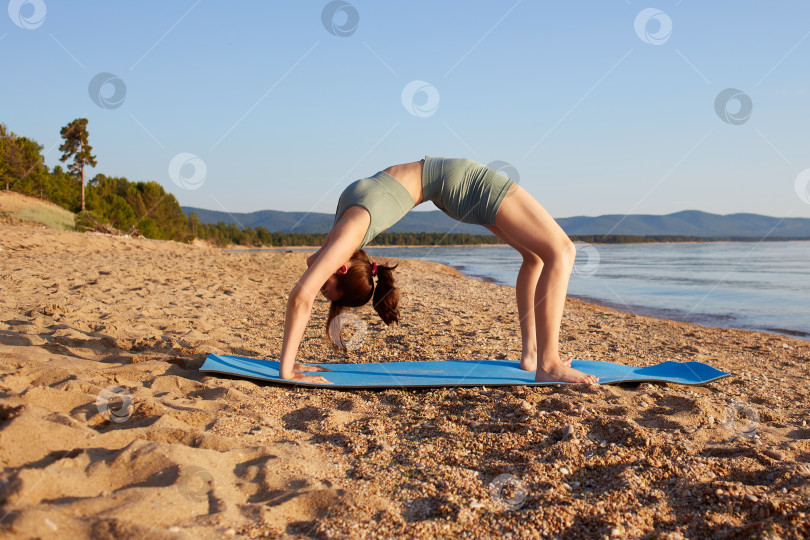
[459, 373]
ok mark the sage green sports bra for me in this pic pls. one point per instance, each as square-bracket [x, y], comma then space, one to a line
[385, 199]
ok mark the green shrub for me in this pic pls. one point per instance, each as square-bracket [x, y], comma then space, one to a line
[53, 217]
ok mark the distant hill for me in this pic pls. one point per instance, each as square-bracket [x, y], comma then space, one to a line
[689, 223]
[686, 223]
[312, 222]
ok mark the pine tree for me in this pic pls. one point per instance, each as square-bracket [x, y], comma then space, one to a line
[76, 147]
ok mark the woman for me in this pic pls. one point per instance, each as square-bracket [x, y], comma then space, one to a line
[468, 192]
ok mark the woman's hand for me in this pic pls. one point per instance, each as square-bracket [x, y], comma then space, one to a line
[314, 379]
[298, 374]
[306, 367]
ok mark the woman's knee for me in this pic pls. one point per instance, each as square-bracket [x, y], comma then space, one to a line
[531, 259]
[567, 253]
[564, 254]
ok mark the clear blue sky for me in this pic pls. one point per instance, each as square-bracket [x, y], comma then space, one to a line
[597, 114]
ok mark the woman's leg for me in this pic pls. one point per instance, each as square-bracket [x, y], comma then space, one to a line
[525, 288]
[526, 223]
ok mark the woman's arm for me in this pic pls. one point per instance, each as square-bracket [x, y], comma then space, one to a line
[343, 241]
[311, 258]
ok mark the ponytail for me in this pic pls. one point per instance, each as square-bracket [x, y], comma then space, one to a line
[386, 295]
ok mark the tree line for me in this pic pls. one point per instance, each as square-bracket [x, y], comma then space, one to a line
[230, 234]
[146, 209]
[138, 208]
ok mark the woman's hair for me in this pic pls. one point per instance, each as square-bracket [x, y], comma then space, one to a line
[356, 287]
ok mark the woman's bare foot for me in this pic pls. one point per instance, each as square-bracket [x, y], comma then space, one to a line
[566, 362]
[529, 363]
[562, 372]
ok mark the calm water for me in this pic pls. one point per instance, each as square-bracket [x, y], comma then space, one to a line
[758, 286]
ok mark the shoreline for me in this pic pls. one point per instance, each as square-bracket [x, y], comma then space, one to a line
[672, 315]
[237, 249]
[707, 321]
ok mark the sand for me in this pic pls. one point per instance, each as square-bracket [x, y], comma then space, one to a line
[108, 430]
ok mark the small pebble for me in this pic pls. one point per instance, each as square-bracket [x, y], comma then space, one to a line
[569, 431]
[174, 529]
[564, 470]
[774, 454]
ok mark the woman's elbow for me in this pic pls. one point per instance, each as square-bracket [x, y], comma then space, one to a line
[300, 298]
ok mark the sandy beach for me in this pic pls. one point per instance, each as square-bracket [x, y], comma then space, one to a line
[108, 429]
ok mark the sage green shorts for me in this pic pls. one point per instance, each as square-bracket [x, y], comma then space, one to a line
[464, 189]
